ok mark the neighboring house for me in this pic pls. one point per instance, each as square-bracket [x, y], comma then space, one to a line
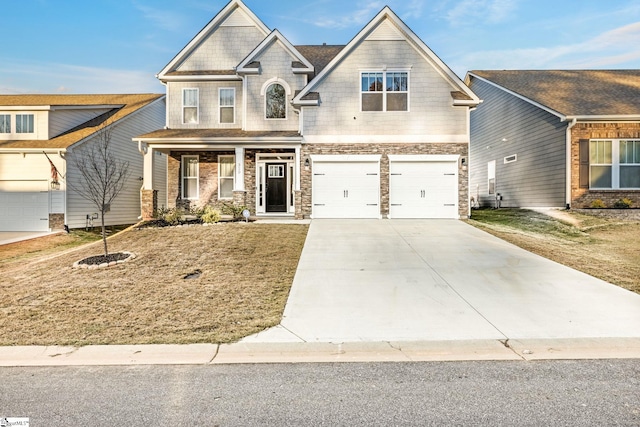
[39, 137]
[376, 128]
[555, 138]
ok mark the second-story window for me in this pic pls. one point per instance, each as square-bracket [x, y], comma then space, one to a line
[190, 104]
[385, 91]
[276, 102]
[5, 123]
[24, 123]
[227, 105]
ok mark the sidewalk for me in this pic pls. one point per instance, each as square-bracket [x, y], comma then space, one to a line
[240, 353]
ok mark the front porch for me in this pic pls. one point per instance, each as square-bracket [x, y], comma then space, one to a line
[258, 172]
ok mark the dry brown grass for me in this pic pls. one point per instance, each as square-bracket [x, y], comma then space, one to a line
[247, 272]
[601, 247]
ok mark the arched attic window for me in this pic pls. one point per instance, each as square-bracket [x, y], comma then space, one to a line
[276, 99]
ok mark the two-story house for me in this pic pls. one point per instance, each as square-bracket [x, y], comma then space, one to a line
[376, 128]
[40, 135]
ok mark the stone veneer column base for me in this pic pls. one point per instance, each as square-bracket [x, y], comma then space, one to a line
[56, 221]
[298, 204]
[149, 204]
[240, 198]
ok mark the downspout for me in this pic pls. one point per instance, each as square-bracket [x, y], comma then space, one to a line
[572, 123]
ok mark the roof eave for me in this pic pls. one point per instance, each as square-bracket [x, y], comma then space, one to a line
[205, 77]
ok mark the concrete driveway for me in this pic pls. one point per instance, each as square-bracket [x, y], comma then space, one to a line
[7, 237]
[440, 280]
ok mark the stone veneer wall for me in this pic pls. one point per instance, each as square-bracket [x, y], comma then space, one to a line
[149, 202]
[583, 197]
[384, 150]
[56, 221]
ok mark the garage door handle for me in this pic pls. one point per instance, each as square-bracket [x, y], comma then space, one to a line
[396, 174]
[319, 204]
[372, 174]
[449, 174]
[372, 204]
[396, 204]
[318, 174]
[452, 204]
[346, 194]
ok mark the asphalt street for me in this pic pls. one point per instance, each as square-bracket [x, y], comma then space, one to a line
[551, 393]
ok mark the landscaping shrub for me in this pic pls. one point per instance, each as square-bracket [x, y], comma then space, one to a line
[210, 215]
[598, 204]
[623, 203]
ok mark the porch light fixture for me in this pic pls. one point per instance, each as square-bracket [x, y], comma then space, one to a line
[55, 185]
[307, 163]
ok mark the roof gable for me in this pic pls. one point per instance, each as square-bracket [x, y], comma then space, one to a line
[571, 93]
[388, 26]
[299, 63]
[234, 14]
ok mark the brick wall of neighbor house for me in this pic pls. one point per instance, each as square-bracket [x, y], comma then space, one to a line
[208, 179]
[583, 197]
[384, 150]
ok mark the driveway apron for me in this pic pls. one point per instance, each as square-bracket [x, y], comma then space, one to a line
[423, 280]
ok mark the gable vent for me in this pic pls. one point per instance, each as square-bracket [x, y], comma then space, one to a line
[386, 31]
[237, 19]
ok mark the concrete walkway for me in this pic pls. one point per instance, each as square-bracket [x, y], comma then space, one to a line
[422, 280]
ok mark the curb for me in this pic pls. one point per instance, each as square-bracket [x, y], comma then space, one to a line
[525, 350]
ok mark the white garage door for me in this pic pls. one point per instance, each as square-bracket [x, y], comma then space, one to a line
[423, 187]
[346, 187]
[24, 206]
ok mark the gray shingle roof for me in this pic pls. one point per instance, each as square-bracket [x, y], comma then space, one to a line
[319, 55]
[216, 133]
[574, 92]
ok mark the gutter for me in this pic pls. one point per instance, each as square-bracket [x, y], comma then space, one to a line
[570, 126]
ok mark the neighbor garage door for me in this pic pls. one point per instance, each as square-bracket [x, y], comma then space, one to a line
[24, 206]
[346, 186]
[423, 187]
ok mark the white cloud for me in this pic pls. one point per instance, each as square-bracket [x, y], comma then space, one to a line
[413, 10]
[470, 12]
[612, 49]
[358, 17]
[36, 77]
[166, 19]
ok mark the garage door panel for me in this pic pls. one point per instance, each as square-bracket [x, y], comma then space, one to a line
[24, 210]
[423, 190]
[346, 190]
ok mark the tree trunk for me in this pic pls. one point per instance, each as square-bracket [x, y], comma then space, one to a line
[104, 235]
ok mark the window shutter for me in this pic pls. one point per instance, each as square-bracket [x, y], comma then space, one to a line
[584, 163]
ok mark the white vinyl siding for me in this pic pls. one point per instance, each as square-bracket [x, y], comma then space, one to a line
[190, 177]
[227, 102]
[226, 177]
[190, 106]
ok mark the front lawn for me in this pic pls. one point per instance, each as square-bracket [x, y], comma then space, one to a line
[245, 274]
[601, 247]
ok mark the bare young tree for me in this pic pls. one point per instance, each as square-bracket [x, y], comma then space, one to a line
[103, 176]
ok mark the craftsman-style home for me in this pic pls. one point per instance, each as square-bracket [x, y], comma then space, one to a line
[376, 128]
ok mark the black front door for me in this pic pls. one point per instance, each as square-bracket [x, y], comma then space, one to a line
[276, 187]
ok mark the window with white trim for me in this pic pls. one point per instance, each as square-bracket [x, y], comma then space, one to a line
[276, 102]
[226, 176]
[5, 123]
[385, 91]
[614, 164]
[227, 97]
[190, 177]
[190, 106]
[24, 123]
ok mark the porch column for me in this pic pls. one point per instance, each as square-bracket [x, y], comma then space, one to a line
[297, 169]
[239, 185]
[147, 183]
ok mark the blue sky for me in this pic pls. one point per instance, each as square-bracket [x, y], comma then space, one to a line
[117, 46]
